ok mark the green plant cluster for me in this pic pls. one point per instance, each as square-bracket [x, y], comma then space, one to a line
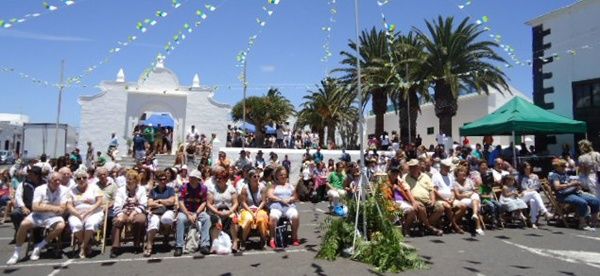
[385, 248]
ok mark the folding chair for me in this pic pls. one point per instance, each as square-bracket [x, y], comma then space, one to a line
[561, 210]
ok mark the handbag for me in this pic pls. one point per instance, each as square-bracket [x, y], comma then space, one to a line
[159, 211]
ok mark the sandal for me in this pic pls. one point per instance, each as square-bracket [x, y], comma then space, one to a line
[273, 244]
[296, 243]
[148, 252]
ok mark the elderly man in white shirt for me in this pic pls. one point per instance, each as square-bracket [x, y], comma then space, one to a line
[443, 182]
[49, 204]
[66, 177]
[498, 172]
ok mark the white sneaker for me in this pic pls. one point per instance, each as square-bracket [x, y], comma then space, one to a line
[35, 254]
[479, 232]
[588, 228]
[14, 258]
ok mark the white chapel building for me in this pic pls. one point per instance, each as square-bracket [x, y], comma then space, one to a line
[120, 106]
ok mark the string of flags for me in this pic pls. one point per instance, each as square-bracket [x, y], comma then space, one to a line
[179, 37]
[34, 80]
[327, 29]
[142, 27]
[48, 8]
[262, 22]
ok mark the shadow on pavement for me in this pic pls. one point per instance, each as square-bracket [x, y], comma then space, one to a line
[474, 270]
[318, 269]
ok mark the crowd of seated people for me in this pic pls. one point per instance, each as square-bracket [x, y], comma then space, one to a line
[233, 198]
[143, 203]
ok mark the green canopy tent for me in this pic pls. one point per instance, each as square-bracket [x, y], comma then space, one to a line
[520, 117]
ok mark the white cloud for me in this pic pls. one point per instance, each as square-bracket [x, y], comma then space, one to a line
[269, 68]
[44, 37]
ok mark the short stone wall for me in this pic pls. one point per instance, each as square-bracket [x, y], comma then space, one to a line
[294, 155]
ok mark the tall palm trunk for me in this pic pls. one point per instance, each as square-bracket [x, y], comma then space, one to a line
[414, 112]
[331, 133]
[260, 137]
[403, 119]
[445, 107]
[321, 132]
[379, 102]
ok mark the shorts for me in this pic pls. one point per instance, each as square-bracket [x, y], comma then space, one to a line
[44, 221]
[91, 223]
[290, 213]
[154, 221]
[246, 217]
[469, 201]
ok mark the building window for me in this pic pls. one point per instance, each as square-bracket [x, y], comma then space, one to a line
[586, 107]
[429, 130]
[6, 144]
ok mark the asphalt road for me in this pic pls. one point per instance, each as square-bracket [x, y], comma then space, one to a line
[546, 251]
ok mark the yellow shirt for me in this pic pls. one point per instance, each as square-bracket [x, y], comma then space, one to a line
[420, 188]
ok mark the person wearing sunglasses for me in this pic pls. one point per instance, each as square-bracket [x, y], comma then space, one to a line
[161, 202]
[282, 196]
[253, 204]
[85, 206]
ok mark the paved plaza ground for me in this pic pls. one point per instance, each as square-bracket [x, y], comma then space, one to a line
[546, 251]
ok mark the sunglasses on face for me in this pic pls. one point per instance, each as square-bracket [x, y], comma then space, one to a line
[163, 179]
[81, 178]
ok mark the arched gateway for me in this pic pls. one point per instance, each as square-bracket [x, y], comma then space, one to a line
[121, 106]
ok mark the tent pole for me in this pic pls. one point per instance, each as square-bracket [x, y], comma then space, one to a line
[514, 150]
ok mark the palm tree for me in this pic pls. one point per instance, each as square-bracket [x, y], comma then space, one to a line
[374, 54]
[263, 110]
[329, 106]
[456, 60]
[407, 56]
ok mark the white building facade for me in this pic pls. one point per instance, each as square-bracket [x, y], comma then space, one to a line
[11, 131]
[471, 107]
[121, 106]
[566, 68]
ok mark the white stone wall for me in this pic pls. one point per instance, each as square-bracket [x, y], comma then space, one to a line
[101, 115]
[294, 155]
[571, 28]
[207, 115]
[470, 108]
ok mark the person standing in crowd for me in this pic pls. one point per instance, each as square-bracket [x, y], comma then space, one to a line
[192, 135]
[150, 134]
[139, 146]
[345, 156]
[259, 161]
[242, 161]
[418, 140]
[113, 144]
[385, 141]
[318, 156]
[589, 163]
[48, 206]
[286, 163]
[89, 155]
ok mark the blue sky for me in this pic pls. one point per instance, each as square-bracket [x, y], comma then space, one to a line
[287, 53]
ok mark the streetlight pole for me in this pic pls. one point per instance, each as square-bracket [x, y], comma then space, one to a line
[245, 85]
[408, 105]
[361, 120]
[60, 91]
